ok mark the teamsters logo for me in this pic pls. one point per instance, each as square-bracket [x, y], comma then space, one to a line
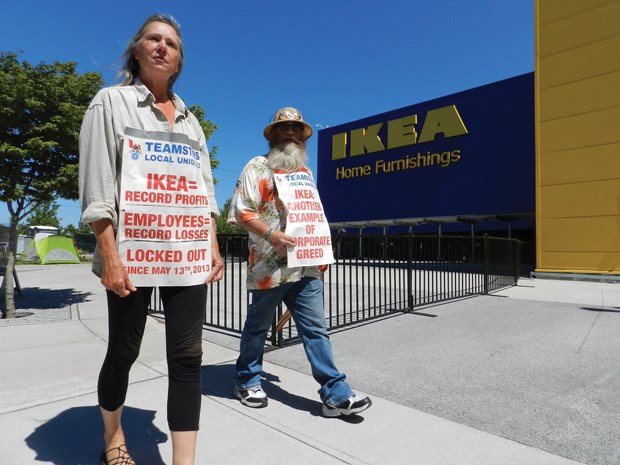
[401, 132]
[135, 149]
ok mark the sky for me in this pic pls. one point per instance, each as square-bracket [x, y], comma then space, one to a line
[334, 60]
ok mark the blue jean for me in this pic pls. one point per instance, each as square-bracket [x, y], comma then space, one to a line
[304, 299]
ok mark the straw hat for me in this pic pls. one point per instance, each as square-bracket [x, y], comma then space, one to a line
[288, 114]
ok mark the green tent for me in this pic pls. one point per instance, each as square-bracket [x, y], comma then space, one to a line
[51, 249]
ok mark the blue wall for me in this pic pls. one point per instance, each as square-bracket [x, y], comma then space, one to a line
[495, 172]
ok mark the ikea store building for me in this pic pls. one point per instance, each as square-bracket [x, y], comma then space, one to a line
[536, 156]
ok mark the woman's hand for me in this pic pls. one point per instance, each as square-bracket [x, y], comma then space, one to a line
[114, 276]
[217, 264]
[217, 269]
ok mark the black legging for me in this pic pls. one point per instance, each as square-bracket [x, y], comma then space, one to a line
[184, 312]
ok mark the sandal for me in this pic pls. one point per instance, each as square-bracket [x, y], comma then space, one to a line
[123, 457]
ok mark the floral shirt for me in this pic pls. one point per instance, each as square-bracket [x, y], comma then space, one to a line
[256, 197]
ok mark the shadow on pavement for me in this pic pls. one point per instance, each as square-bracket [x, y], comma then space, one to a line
[218, 381]
[40, 298]
[75, 437]
[603, 310]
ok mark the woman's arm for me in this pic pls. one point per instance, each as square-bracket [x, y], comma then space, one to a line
[114, 276]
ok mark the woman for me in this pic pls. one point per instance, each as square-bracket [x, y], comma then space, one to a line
[120, 123]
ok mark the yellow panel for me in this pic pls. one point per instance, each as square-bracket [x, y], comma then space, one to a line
[581, 254]
[584, 28]
[579, 63]
[600, 234]
[580, 262]
[554, 10]
[585, 199]
[586, 130]
[581, 96]
[577, 100]
[537, 25]
[584, 164]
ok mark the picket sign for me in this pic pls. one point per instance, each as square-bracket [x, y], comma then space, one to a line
[164, 231]
[306, 221]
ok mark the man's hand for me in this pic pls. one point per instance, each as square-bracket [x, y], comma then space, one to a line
[278, 240]
[281, 242]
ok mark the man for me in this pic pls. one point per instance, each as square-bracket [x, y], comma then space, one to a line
[257, 206]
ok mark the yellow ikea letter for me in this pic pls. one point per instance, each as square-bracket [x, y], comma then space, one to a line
[444, 120]
[339, 146]
[402, 132]
[366, 140]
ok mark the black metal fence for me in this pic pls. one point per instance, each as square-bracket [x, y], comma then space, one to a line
[375, 275]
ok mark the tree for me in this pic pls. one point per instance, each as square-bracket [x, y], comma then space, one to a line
[71, 230]
[41, 110]
[208, 127]
[45, 214]
[222, 226]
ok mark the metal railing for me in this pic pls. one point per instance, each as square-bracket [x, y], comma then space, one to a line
[374, 275]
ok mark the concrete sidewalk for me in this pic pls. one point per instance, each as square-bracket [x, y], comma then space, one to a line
[463, 387]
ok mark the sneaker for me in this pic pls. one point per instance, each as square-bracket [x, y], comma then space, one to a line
[348, 407]
[254, 397]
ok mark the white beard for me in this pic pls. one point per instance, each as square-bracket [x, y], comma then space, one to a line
[287, 156]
